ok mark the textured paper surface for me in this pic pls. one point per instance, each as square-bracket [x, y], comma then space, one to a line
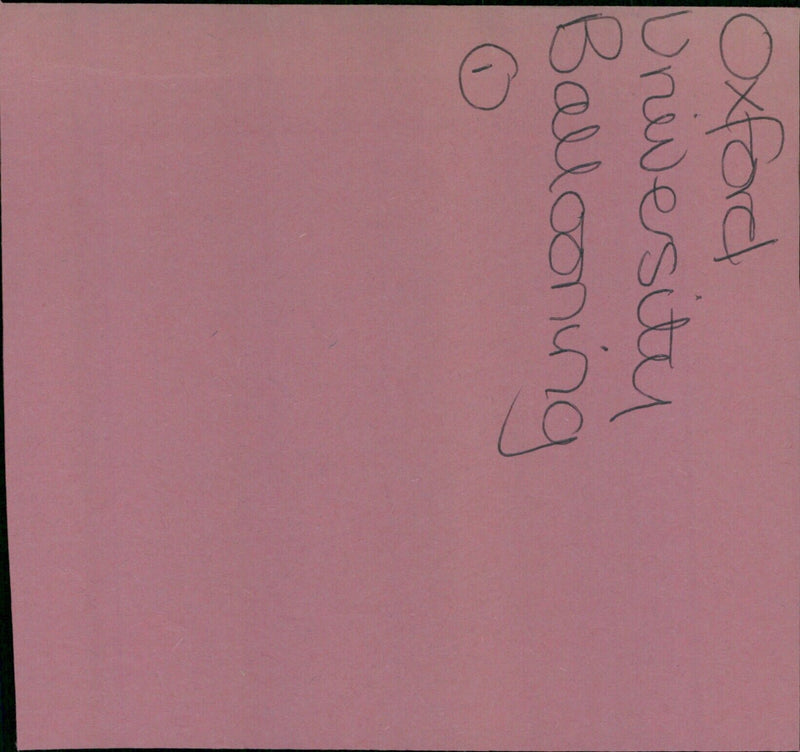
[274, 280]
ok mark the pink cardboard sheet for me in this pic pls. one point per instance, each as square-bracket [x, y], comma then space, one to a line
[402, 377]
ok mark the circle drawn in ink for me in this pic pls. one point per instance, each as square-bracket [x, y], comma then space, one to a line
[485, 75]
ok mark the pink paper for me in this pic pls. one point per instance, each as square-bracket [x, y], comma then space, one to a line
[311, 437]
